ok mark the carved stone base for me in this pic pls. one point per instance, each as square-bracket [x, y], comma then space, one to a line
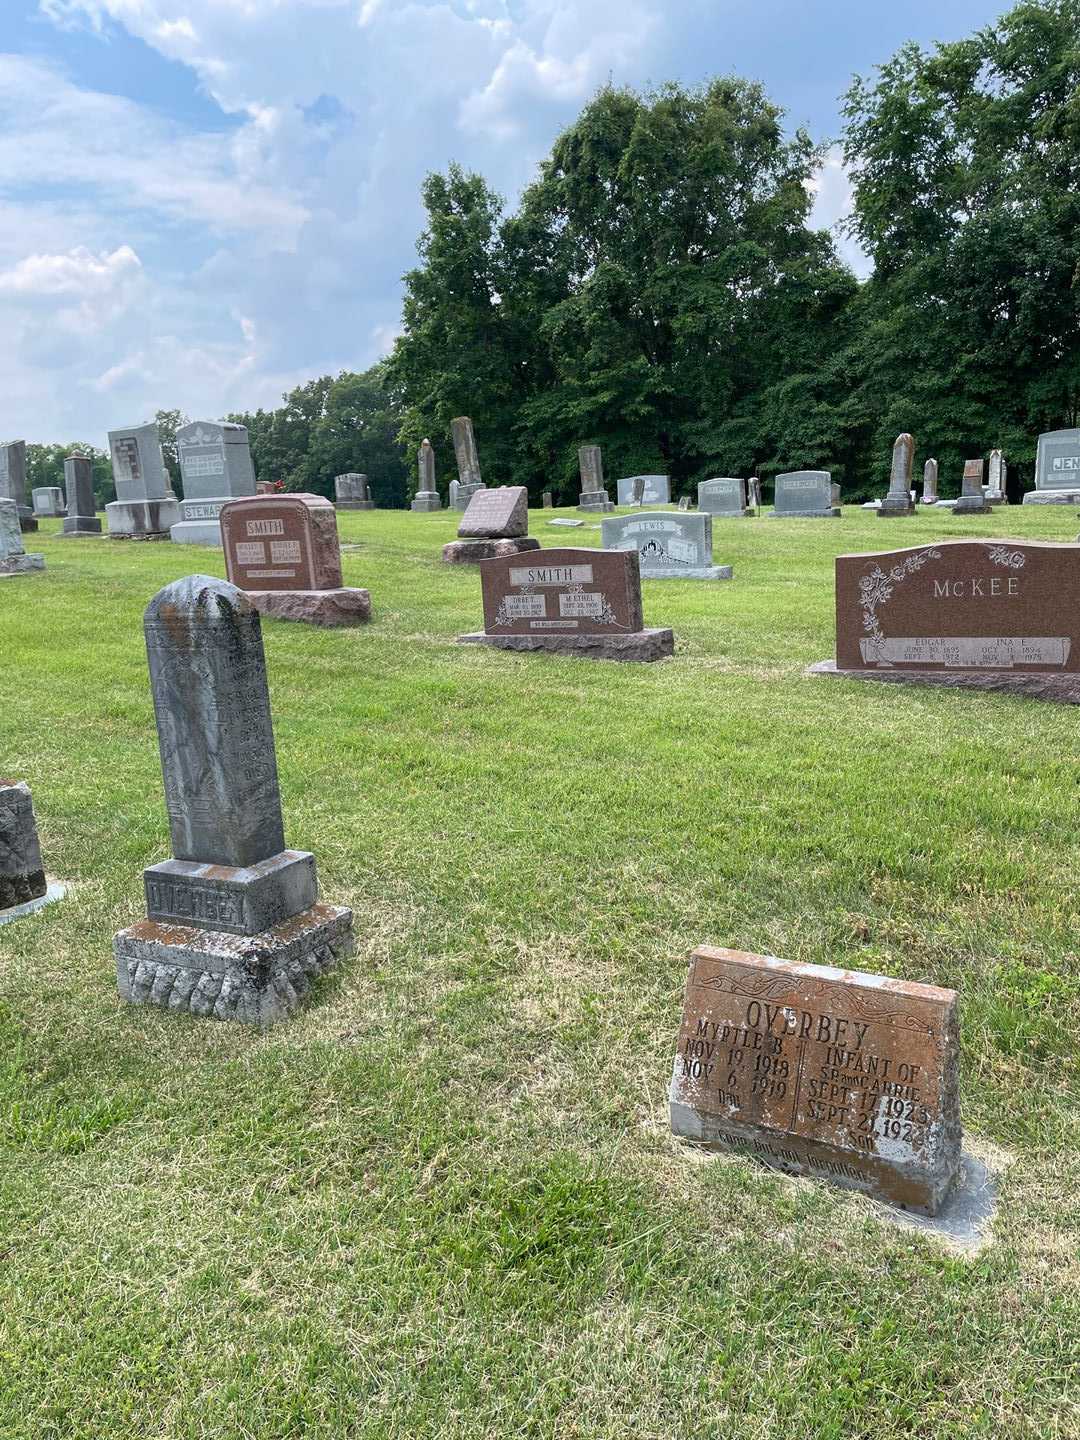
[255, 979]
[1052, 497]
[76, 525]
[637, 645]
[471, 552]
[426, 500]
[971, 505]
[21, 565]
[348, 605]
[1038, 685]
[27, 522]
[354, 504]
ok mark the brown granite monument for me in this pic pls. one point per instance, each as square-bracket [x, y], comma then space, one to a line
[572, 602]
[841, 1075]
[283, 552]
[982, 614]
[496, 522]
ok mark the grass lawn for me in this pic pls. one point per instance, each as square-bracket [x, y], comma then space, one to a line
[443, 1200]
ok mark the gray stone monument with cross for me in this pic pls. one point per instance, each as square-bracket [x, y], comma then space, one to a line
[468, 462]
[427, 494]
[79, 486]
[898, 501]
[234, 926]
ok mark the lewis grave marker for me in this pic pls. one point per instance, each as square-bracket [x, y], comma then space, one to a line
[669, 545]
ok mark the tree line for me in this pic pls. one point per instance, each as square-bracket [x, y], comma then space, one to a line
[658, 289]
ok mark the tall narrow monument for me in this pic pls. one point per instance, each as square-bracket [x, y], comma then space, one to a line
[972, 500]
[13, 482]
[468, 462]
[929, 482]
[427, 494]
[234, 927]
[145, 506]
[594, 494]
[898, 501]
[79, 489]
[997, 479]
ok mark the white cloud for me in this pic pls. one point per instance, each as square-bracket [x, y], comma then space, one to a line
[79, 272]
[834, 201]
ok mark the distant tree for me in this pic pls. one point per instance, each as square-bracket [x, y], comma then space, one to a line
[168, 423]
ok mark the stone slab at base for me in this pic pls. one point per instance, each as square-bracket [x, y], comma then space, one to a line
[1062, 689]
[426, 500]
[28, 522]
[885, 510]
[1052, 497]
[471, 552]
[20, 565]
[354, 504]
[254, 979]
[971, 505]
[833, 513]
[636, 645]
[331, 609]
[244, 900]
[55, 892]
[196, 532]
[77, 525]
[141, 519]
[705, 572]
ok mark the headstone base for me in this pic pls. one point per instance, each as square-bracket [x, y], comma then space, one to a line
[21, 889]
[971, 505]
[426, 500]
[1036, 685]
[1052, 497]
[464, 494]
[595, 500]
[27, 521]
[471, 552]
[254, 979]
[54, 891]
[331, 609]
[832, 513]
[635, 645]
[20, 565]
[76, 525]
[354, 504]
[705, 572]
[896, 507]
[244, 900]
[141, 519]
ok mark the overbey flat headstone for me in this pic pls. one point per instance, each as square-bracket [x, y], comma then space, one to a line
[669, 545]
[724, 497]
[804, 494]
[234, 929]
[79, 487]
[1057, 469]
[846, 1076]
[655, 490]
[583, 602]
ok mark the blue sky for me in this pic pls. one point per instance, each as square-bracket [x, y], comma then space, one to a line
[205, 202]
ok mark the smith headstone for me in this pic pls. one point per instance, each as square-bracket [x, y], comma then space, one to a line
[234, 929]
[644, 490]
[849, 1077]
[145, 507]
[669, 546]
[724, 497]
[1057, 469]
[215, 467]
[804, 494]
[79, 487]
[575, 602]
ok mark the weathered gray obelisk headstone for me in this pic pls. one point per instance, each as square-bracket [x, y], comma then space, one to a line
[13, 558]
[898, 501]
[997, 479]
[79, 487]
[929, 482]
[13, 484]
[427, 495]
[972, 499]
[234, 927]
[593, 495]
[468, 462]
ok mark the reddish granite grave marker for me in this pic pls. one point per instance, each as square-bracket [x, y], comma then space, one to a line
[283, 551]
[833, 1073]
[495, 522]
[584, 602]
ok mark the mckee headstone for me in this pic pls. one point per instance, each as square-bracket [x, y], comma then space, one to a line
[427, 496]
[972, 499]
[724, 497]
[929, 483]
[145, 507]
[644, 490]
[804, 495]
[48, 502]
[495, 523]
[351, 492]
[981, 614]
[79, 484]
[845, 1076]
[1057, 469]
[13, 558]
[572, 602]
[13, 485]
[997, 479]
[468, 462]
[22, 875]
[593, 495]
[669, 545]
[283, 552]
[898, 501]
[215, 467]
[234, 929]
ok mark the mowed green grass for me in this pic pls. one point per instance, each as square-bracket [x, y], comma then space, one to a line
[443, 1200]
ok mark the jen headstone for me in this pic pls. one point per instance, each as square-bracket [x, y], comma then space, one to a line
[805, 495]
[145, 507]
[1057, 469]
[669, 545]
[845, 1076]
[584, 603]
[79, 485]
[898, 501]
[427, 496]
[283, 552]
[13, 557]
[496, 522]
[235, 929]
[215, 467]
[723, 497]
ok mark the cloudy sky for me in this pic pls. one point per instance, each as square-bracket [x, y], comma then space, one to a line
[205, 202]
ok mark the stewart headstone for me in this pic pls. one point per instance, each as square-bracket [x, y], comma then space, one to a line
[427, 496]
[574, 602]
[234, 927]
[804, 494]
[845, 1076]
[669, 545]
[898, 501]
[724, 497]
[1057, 469]
[79, 485]
[13, 558]
[215, 467]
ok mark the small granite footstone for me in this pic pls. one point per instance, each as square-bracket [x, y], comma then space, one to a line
[13, 558]
[330, 609]
[567, 524]
[849, 1077]
[22, 875]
